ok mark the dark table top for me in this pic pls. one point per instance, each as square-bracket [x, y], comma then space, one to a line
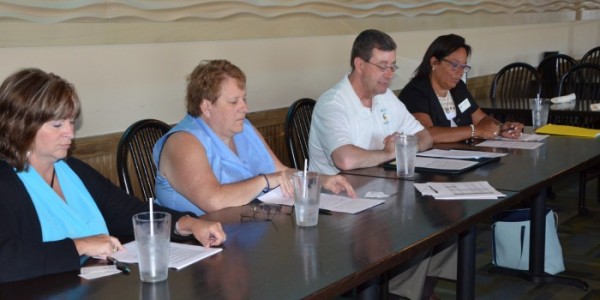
[521, 169]
[277, 260]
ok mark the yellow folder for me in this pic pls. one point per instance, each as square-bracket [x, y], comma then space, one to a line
[568, 130]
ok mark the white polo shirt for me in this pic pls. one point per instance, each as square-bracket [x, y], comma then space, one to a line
[339, 118]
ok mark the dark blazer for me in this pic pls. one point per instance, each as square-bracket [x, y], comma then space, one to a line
[418, 96]
[23, 254]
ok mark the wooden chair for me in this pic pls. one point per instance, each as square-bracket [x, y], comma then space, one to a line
[551, 70]
[297, 127]
[592, 56]
[584, 81]
[136, 144]
[515, 84]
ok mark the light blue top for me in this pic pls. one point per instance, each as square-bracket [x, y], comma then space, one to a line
[252, 159]
[77, 216]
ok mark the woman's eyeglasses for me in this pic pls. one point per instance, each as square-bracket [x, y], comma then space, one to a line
[455, 66]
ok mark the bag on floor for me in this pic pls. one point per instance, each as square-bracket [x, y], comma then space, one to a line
[510, 241]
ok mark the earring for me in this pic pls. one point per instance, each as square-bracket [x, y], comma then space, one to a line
[207, 115]
[433, 69]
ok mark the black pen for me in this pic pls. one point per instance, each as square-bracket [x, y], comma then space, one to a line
[323, 211]
[121, 266]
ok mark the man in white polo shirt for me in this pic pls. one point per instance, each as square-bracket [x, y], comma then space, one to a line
[355, 125]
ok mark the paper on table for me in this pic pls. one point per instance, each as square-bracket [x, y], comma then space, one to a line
[459, 154]
[337, 203]
[94, 272]
[525, 137]
[443, 163]
[180, 255]
[563, 99]
[459, 190]
[568, 130]
[509, 144]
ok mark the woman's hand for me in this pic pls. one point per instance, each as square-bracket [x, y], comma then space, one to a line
[337, 184]
[97, 245]
[512, 130]
[284, 180]
[206, 232]
[488, 128]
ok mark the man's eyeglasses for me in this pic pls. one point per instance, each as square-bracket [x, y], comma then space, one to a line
[384, 68]
[455, 66]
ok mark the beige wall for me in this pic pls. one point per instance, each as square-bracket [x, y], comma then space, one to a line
[121, 83]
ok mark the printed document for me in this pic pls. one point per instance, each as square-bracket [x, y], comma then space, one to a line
[459, 190]
[337, 203]
[509, 144]
[180, 255]
[459, 154]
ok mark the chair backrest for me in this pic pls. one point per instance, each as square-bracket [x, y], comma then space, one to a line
[583, 80]
[514, 84]
[136, 144]
[551, 70]
[297, 128]
[592, 56]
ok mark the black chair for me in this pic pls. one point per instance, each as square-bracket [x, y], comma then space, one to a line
[584, 81]
[297, 128]
[592, 56]
[515, 84]
[551, 70]
[136, 144]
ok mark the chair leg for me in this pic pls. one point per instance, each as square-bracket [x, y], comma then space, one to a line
[583, 211]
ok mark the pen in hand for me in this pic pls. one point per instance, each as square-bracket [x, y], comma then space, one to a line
[120, 266]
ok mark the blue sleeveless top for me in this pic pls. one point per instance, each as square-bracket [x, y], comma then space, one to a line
[251, 160]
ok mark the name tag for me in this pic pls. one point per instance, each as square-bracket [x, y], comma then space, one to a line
[464, 105]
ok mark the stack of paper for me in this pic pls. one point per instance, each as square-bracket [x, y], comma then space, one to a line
[568, 130]
[459, 190]
[337, 203]
[180, 255]
[94, 272]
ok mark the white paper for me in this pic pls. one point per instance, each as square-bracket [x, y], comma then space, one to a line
[93, 272]
[100, 274]
[510, 144]
[459, 154]
[337, 203]
[563, 99]
[180, 255]
[443, 163]
[525, 137]
[459, 190]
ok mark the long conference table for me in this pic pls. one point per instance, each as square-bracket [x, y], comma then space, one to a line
[277, 260]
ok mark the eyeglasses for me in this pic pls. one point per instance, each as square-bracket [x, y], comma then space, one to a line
[384, 68]
[455, 66]
[263, 212]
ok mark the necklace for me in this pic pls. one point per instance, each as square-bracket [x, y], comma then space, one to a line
[52, 180]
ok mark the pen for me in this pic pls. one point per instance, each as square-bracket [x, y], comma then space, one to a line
[323, 211]
[434, 190]
[121, 266]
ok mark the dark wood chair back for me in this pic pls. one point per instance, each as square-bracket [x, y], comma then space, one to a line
[583, 80]
[514, 84]
[134, 157]
[592, 56]
[297, 128]
[551, 70]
